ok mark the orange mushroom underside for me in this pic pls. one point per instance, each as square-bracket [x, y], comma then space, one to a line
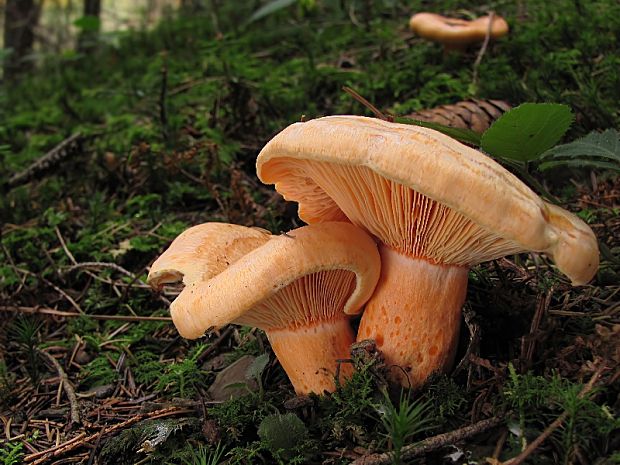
[308, 330]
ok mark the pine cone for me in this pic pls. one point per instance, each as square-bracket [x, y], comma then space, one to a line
[473, 114]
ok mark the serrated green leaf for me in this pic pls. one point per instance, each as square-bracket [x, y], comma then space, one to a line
[527, 131]
[256, 368]
[270, 8]
[596, 145]
[580, 164]
[463, 135]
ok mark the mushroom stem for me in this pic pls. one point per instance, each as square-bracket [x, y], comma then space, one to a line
[309, 354]
[414, 315]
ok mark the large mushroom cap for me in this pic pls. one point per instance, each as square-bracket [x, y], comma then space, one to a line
[420, 192]
[457, 33]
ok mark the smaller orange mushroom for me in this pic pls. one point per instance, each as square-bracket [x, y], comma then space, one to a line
[454, 33]
[299, 287]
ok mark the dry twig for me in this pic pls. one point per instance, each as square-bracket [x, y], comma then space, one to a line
[67, 387]
[483, 50]
[431, 444]
[55, 156]
[60, 313]
[81, 439]
[528, 343]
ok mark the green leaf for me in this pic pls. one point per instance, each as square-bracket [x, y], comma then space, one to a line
[270, 8]
[87, 23]
[462, 135]
[580, 164]
[258, 365]
[587, 151]
[525, 132]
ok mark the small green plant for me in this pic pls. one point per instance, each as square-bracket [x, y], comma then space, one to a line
[99, 371]
[183, 378]
[11, 453]
[173, 379]
[402, 422]
[147, 367]
[247, 454]
[205, 456]
[538, 401]
[24, 331]
[355, 397]
[237, 417]
[348, 408]
[447, 397]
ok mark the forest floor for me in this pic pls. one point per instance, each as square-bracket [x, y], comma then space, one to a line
[160, 131]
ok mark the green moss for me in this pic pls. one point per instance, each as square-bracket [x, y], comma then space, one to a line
[99, 371]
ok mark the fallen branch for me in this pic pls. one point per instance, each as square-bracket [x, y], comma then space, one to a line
[67, 387]
[60, 313]
[97, 265]
[67, 147]
[81, 439]
[52, 285]
[431, 444]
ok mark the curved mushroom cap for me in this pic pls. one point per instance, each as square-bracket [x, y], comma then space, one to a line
[456, 32]
[203, 251]
[314, 273]
[421, 193]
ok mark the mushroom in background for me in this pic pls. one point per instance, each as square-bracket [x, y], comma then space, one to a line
[454, 33]
[436, 206]
[299, 287]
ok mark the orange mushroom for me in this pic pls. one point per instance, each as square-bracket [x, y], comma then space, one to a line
[298, 287]
[436, 206]
[457, 34]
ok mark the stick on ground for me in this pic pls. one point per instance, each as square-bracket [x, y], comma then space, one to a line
[67, 387]
[431, 444]
[54, 157]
